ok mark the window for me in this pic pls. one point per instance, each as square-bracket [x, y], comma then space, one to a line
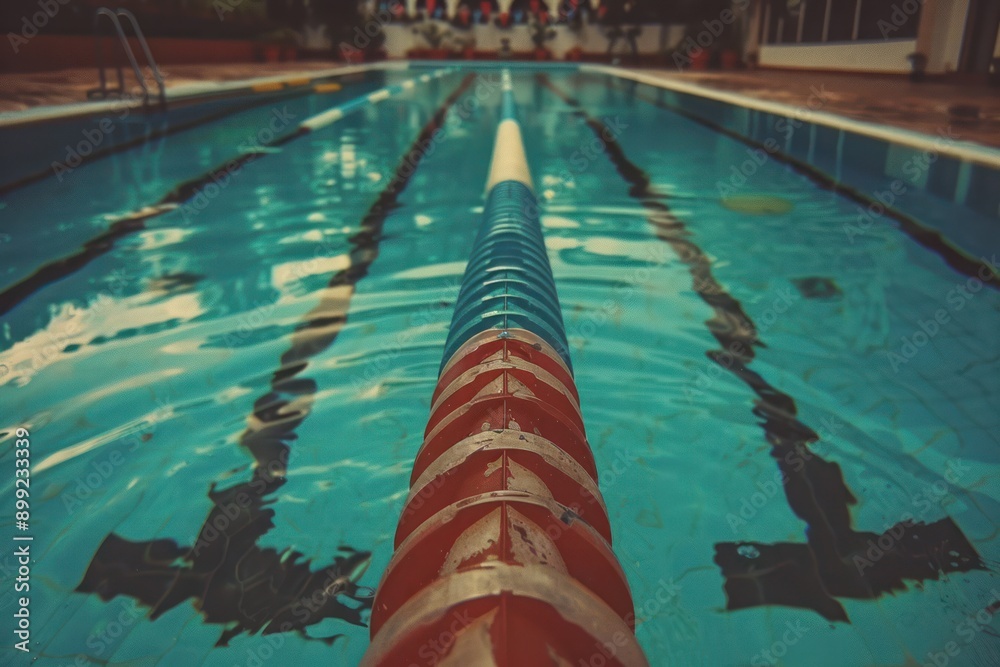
[790, 27]
[889, 19]
[815, 18]
[841, 27]
[815, 21]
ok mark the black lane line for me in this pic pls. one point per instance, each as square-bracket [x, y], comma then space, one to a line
[836, 560]
[232, 580]
[926, 237]
[64, 267]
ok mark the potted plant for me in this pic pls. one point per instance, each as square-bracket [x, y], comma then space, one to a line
[435, 38]
[730, 46]
[540, 34]
[279, 45]
[467, 47]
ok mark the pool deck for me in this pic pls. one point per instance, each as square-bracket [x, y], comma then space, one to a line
[971, 109]
[26, 90]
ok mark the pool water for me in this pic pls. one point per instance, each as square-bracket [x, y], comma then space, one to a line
[796, 428]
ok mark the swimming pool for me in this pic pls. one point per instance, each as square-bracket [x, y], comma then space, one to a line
[793, 410]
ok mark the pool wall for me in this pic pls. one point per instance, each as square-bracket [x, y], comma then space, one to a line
[925, 177]
[49, 141]
[887, 171]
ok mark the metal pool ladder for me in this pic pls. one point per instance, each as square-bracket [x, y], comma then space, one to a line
[103, 92]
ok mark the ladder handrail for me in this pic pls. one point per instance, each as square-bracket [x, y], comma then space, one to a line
[139, 75]
[145, 49]
[112, 16]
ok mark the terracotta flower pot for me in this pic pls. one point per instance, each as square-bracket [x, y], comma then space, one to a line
[729, 59]
[272, 53]
[700, 60]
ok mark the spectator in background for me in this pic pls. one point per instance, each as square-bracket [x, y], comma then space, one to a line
[540, 10]
[463, 16]
[573, 11]
[622, 17]
[486, 9]
[519, 11]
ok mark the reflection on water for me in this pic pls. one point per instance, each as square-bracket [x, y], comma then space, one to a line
[234, 581]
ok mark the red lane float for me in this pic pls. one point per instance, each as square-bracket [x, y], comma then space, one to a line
[494, 499]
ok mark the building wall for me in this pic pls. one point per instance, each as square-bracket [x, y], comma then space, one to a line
[590, 38]
[946, 35]
[940, 36]
[889, 56]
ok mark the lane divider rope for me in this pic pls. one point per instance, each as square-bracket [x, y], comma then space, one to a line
[331, 116]
[503, 550]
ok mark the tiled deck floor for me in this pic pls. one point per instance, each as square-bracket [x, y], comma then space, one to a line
[925, 107]
[22, 91]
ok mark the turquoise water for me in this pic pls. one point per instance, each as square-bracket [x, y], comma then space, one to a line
[138, 375]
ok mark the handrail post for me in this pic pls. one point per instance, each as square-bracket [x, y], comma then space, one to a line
[145, 49]
[140, 37]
